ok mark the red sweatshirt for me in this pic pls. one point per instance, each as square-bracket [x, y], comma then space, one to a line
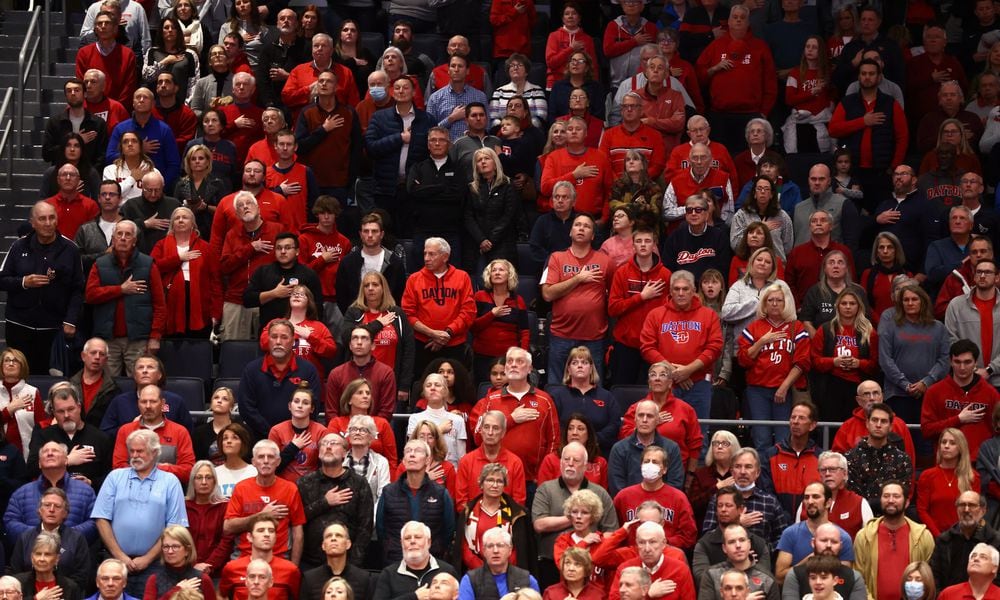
[118, 67]
[682, 336]
[721, 159]
[225, 219]
[617, 140]
[72, 214]
[683, 426]
[625, 303]
[678, 518]
[530, 440]
[440, 303]
[243, 137]
[174, 439]
[776, 359]
[945, 399]
[512, 29]
[240, 260]
[846, 345]
[296, 92]
[558, 49]
[799, 91]
[668, 569]
[591, 193]
[292, 210]
[750, 86]
[312, 244]
[666, 109]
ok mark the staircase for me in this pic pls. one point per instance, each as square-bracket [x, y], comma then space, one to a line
[18, 195]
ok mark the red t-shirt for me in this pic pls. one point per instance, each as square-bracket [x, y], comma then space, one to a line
[90, 392]
[249, 498]
[985, 308]
[893, 556]
[386, 342]
[582, 313]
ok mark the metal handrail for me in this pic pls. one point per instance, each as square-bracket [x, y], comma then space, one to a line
[26, 59]
[6, 134]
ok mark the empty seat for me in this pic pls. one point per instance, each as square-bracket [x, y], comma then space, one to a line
[374, 42]
[433, 45]
[527, 266]
[627, 395]
[527, 288]
[187, 358]
[44, 382]
[234, 356]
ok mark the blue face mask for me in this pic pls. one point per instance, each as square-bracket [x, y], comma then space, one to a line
[379, 94]
[913, 589]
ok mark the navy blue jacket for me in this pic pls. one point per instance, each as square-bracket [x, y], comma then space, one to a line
[124, 408]
[49, 306]
[263, 400]
[599, 406]
[384, 142]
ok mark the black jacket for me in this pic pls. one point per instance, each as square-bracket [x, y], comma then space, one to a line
[349, 276]
[59, 125]
[356, 514]
[362, 581]
[437, 195]
[491, 215]
[90, 435]
[396, 582]
[951, 554]
[266, 277]
[49, 306]
[70, 591]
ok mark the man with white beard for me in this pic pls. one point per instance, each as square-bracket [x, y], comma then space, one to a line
[413, 574]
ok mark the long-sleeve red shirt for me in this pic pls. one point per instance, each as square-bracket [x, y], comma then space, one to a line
[937, 491]
[592, 192]
[750, 86]
[845, 345]
[944, 400]
[530, 440]
[840, 127]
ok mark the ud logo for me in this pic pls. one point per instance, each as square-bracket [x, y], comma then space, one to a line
[681, 337]
[783, 466]
[265, 499]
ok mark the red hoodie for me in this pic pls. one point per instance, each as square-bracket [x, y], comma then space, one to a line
[957, 283]
[750, 86]
[625, 303]
[682, 336]
[312, 244]
[440, 303]
[945, 399]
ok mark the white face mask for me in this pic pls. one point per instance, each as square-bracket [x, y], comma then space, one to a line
[745, 489]
[650, 472]
[914, 589]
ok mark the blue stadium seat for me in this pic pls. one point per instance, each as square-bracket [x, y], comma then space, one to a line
[627, 395]
[527, 288]
[526, 264]
[44, 382]
[187, 358]
[234, 356]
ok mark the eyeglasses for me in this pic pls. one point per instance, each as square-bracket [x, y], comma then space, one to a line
[722, 443]
[829, 469]
[494, 482]
[578, 61]
[9, 360]
[981, 273]
[171, 547]
[9, 593]
[694, 209]
[356, 430]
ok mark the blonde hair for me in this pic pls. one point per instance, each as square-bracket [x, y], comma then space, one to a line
[862, 326]
[498, 179]
[582, 352]
[782, 288]
[387, 300]
[963, 470]
[511, 275]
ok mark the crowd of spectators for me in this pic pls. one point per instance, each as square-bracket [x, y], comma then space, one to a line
[495, 304]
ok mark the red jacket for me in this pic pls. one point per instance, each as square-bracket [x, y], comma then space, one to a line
[625, 303]
[378, 374]
[591, 193]
[955, 285]
[945, 399]
[440, 303]
[240, 260]
[669, 568]
[296, 92]
[853, 429]
[469, 467]
[682, 427]
[225, 219]
[243, 137]
[530, 440]
[750, 86]
[319, 344]
[172, 436]
[512, 29]
[666, 109]
[190, 307]
[682, 336]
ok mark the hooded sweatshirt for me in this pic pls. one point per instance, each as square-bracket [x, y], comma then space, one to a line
[682, 336]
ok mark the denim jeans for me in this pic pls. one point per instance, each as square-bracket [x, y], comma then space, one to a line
[760, 401]
[700, 399]
[559, 348]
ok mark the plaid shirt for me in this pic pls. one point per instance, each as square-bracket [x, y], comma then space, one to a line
[869, 467]
[444, 100]
[775, 518]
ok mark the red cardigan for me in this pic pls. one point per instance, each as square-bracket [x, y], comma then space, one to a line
[205, 284]
[205, 524]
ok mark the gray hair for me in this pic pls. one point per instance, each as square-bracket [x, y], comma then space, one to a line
[322, 37]
[412, 524]
[150, 438]
[499, 416]
[216, 495]
[114, 562]
[441, 243]
[265, 444]
[576, 446]
[687, 276]
[768, 129]
[48, 539]
[501, 535]
[747, 450]
[653, 528]
[639, 572]
[837, 456]
[366, 422]
[566, 184]
[519, 350]
[10, 582]
[992, 552]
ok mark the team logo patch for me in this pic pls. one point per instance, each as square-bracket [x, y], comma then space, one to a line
[681, 337]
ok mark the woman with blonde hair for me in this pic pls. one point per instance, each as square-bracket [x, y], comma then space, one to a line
[190, 274]
[21, 405]
[584, 509]
[491, 210]
[177, 570]
[556, 139]
[844, 352]
[774, 349]
[582, 392]
[940, 486]
[501, 317]
[451, 426]
[200, 189]
[392, 336]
